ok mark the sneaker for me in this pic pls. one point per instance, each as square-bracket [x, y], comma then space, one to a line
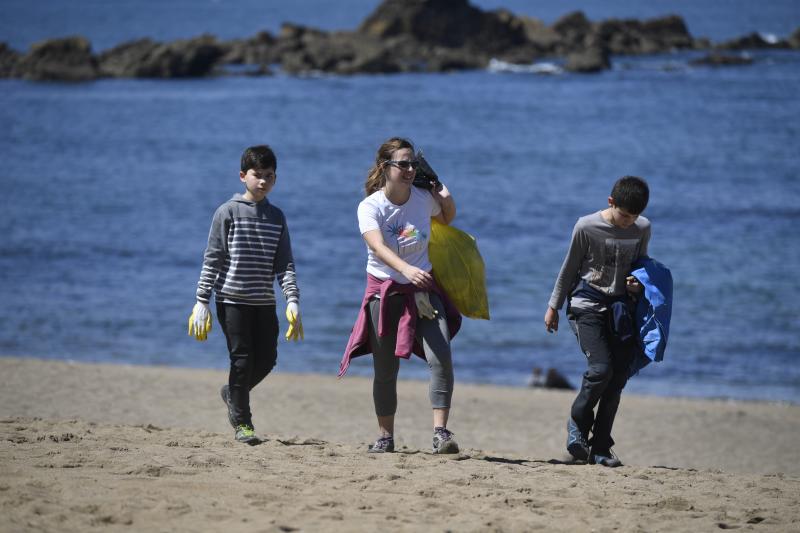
[443, 441]
[384, 444]
[247, 434]
[225, 392]
[576, 442]
[604, 458]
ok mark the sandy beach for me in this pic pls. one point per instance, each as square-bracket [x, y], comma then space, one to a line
[126, 448]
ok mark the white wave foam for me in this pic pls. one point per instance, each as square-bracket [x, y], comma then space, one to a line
[771, 38]
[497, 66]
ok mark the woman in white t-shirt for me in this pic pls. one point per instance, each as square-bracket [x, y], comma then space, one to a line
[403, 310]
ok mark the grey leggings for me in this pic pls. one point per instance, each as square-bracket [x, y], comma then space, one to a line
[435, 339]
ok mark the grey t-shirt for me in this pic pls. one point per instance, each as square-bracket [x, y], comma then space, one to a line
[601, 254]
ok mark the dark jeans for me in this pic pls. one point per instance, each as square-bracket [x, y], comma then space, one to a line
[252, 335]
[608, 361]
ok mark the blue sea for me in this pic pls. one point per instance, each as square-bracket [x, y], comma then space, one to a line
[108, 190]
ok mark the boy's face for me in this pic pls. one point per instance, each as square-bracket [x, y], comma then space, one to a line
[620, 217]
[258, 182]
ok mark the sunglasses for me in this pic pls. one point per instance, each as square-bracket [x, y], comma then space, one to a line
[404, 165]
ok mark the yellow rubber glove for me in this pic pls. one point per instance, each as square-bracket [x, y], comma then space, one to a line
[200, 321]
[295, 331]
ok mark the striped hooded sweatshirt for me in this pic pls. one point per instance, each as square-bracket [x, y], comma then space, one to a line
[248, 245]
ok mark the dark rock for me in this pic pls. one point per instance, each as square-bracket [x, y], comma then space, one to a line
[590, 60]
[701, 43]
[67, 59]
[304, 50]
[669, 32]
[574, 30]
[445, 23]
[259, 50]
[8, 60]
[632, 37]
[720, 60]
[340, 53]
[794, 39]
[190, 58]
[127, 60]
[752, 41]
[450, 59]
[544, 38]
[552, 379]
[523, 55]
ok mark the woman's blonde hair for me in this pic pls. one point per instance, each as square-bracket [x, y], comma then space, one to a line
[376, 177]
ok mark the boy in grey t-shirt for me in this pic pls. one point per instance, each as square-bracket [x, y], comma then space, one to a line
[595, 276]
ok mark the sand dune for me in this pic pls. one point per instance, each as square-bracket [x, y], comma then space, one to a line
[112, 447]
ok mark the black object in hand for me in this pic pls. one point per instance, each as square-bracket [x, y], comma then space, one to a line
[426, 177]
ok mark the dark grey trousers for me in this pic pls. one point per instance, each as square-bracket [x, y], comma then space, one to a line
[252, 335]
[435, 339]
[608, 362]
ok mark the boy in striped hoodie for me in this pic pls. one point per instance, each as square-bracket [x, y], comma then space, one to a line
[248, 246]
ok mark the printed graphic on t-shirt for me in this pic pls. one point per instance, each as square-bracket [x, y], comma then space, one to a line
[617, 253]
[408, 239]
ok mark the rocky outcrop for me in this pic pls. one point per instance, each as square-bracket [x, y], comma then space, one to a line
[590, 60]
[398, 36]
[190, 58]
[574, 31]
[751, 41]
[445, 24]
[259, 50]
[632, 37]
[8, 60]
[715, 59]
[67, 59]
[794, 39]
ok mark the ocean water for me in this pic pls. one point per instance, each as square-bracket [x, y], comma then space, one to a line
[108, 190]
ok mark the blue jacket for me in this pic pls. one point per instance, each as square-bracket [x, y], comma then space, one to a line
[653, 312]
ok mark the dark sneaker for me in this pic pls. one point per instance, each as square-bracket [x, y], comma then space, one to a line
[576, 442]
[247, 434]
[382, 445]
[604, 458]
[225, 392]
[443, 441]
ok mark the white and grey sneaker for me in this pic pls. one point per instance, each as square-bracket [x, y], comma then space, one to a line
[384, 444]
[443, 441]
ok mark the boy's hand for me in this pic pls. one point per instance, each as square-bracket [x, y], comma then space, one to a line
[633, 286]
[295, 331]
[551, 320]
[200, 321]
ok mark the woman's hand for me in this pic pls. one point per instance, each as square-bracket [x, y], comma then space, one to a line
[440, 191]
[442, 196]
[418, 277]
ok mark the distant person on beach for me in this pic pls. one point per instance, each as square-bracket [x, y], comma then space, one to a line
[552, 379]
[403, 309]
[595, 279]
[248, 246]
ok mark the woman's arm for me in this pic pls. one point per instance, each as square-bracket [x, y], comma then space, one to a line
[417, 276]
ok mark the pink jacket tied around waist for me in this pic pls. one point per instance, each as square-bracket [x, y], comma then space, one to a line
[406, 328]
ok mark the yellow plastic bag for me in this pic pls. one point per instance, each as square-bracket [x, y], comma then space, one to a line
[458, 269]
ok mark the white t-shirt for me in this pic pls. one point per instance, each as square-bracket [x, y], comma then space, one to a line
[406, 230]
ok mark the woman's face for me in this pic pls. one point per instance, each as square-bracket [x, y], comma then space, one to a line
[402, 167]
